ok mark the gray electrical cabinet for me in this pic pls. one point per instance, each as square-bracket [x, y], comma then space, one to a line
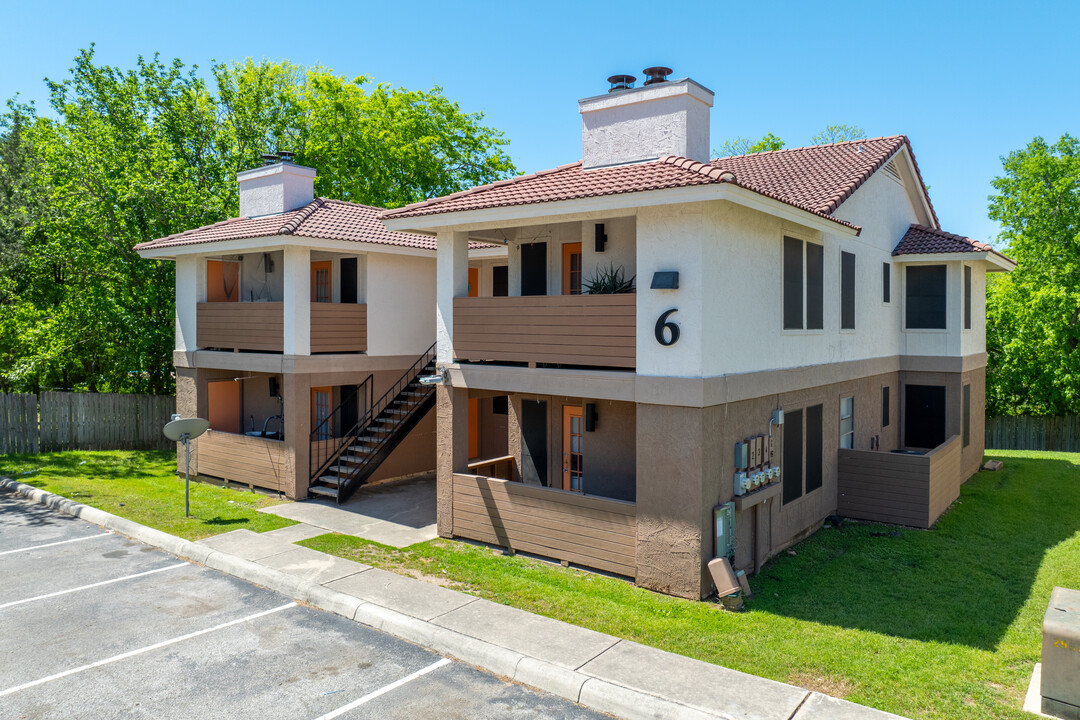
[1061, 655]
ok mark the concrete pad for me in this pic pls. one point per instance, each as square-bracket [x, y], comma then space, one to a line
[824, 707]
[1033, 698]
[247, 545]
[398, 514]
[549, 640]
[313, 565]
[296, 533]
[419, 599]
[693, 682]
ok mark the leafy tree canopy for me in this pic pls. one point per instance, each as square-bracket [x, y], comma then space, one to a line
[133, 155]
[746, 146]
[1033, 313]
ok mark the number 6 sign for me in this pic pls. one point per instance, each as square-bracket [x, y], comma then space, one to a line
[662, 323]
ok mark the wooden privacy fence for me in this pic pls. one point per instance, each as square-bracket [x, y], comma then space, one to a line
[84, 421]
[1023, 432]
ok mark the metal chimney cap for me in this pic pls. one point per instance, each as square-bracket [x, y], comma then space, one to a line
[269, 159]
[621, 82]
[657, 74]
[286, 155]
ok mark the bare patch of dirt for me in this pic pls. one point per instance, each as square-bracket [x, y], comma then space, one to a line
[836, 687]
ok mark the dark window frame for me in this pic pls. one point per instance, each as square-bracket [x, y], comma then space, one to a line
[926, 297]
[967, 297]
[847, 290]
[966, 410]
[803, 285]
[803, 438]
[885, 410]
[886, 283]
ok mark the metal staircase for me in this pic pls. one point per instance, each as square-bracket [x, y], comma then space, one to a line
[343, 461]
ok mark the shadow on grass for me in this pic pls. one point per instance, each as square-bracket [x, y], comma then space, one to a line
[226, 521]
[963, 581]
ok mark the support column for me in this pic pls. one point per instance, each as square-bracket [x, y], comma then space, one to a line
[452, 280]
[297, 301]
[672, 462]
[452, 418]
[187, 405]
[190, 290]
[296, 398]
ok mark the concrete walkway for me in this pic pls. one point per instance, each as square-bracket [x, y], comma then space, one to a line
[598, 671]
[398, 513]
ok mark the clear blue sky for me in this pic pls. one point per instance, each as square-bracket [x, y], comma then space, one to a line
[967, 81]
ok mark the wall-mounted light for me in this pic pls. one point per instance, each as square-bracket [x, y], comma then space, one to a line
[601, 237]
[590, 417]
[665, 280]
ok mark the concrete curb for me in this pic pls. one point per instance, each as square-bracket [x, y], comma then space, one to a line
[579, 687]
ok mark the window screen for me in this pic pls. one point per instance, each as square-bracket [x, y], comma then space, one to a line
[885, 406]
[793, 284]
[815, 286]
[967, 297]
[847, 422]
[847, 291]
[348, 280]
[792, 467]
[967, 415]
[534, 269]
[926, 297]
[500, 284]
[500, 405]
[886, 280]
[814, 452]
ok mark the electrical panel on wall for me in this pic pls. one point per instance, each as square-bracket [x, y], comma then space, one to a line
[754, 466]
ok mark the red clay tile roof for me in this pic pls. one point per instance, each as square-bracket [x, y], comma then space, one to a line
[817, 179]
[321, 218]
[919, 240]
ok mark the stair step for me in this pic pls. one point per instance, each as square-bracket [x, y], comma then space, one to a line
[359, 449]
[352, 458]
[330, 480]
[325, 491]
[340, 470]
[398, 412]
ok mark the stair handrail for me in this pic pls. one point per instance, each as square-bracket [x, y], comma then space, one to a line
[316, 465]
[377, 409]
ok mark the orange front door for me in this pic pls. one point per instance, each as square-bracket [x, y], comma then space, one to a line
[573, 469]
[320, 413]
[571, 269]
[474, 282]
[223, 405]
[474, 428]
[320, 281]
[222, 281]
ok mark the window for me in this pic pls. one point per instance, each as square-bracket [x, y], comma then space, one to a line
[847, 291]
[500, 405]
[926, 297]
[847, 422]
[804, 270]
[886, 283]
[885, 406]
[967, 297]
[795, 470]
[967, 415]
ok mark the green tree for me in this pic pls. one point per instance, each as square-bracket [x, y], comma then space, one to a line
[746, 146]
[133, 155]
[838, 133]
[1033, 313]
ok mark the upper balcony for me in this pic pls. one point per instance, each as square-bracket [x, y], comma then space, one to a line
[586, 330]
[260, 326]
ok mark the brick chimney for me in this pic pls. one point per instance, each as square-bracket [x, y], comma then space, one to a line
[664, 117]
[275, 188]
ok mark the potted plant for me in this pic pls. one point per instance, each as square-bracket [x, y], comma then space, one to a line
[609, 281]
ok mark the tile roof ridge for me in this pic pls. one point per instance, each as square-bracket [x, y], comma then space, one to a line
[474, 190]
[837, 200]
[294, 223]
[350, 203]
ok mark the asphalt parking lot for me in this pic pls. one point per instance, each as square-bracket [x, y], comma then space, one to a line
[94, 625]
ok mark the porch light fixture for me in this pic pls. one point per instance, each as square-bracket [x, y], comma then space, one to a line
[665, 280]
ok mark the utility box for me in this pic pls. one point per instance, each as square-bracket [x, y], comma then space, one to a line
[1061, 655]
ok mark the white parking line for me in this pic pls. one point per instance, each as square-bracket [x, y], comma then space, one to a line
[61, 542]
[381, 691]
[140, 651]
[92, 585]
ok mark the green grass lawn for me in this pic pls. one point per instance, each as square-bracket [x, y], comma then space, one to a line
[144, 487]
[943, 623]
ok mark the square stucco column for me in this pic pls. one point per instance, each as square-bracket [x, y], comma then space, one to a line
[672, 466]
[452, 419]
[297, 300]
[187, 404]
[190, 290]
[296, 397]
[451, 281]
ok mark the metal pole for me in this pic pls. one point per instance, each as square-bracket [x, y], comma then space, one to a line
[187, 472]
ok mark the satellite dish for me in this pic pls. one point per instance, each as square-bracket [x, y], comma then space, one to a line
[192, 427]
[185, 430]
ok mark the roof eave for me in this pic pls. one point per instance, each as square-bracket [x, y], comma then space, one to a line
[995, 260]
[271, 243]
[622, 203]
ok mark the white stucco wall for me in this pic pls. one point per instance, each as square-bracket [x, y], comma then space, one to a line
[275, 189]
[190, 276]
[974, 340]
[401, 304]
[620, 250]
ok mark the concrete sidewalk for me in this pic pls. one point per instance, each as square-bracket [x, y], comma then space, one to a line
[598, 671]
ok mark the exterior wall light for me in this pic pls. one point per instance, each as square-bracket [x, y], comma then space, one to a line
[665, 280]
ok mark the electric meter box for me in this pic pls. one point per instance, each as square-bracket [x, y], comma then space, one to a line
[1061, 655]
[724, 525]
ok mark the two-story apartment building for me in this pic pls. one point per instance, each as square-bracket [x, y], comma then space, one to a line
[301, 329]
[801, 339]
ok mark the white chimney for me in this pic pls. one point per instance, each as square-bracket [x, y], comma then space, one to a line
[275, 189]
[633, 125]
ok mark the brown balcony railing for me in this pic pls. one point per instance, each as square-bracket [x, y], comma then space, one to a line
[338, 327]
[558, 329]
[241, 326]
[259, 326]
